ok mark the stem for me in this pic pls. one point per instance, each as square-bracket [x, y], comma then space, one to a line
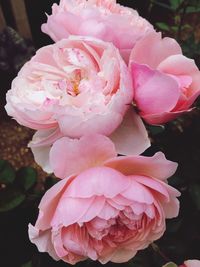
[184, 5]
[157, 250]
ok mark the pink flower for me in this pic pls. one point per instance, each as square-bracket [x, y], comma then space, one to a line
[166, 83]
[108, 207]
[191, 263]
[104, 19]
[75, 87]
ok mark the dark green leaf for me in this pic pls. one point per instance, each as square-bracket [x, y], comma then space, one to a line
[195, 194]
[162, 5]
[28, 264]
[175, 4]
[170, 264]
[163, 26]
[175, 28]
[192, 9]
[7, 172]
[154, 130]
[26, 177]
[49, 182]
[10, 198]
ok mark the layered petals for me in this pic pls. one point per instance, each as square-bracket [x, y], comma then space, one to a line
[103, 19]
[106, 212]
[166, 83]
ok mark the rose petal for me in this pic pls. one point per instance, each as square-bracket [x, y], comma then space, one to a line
[99, 181]
[157, 166]
[70, 156]
[152, 50]
[131, 137]
[155, 92]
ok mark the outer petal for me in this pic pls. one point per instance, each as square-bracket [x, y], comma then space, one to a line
[178, 65]
[119, 255]
[157, 166]
[98, 181]
[155, 92]
[70, 210]
[131, 137]
[158, 119]
[70, 156]
[41, 145]
[152, 50]
[96, 123]
[42, 240]
[49, 203]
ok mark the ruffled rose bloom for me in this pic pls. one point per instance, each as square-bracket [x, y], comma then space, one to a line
[166, 83]
[191, 263]
[75, 87]
[108, 207]
[104, 19]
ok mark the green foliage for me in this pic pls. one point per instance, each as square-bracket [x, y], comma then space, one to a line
[26, 178]
[10, 198]
[15, 185]
[170, 264]
[175, 4]
[154, 130]
[7, 173]
[28, 264]
[191, 48]
[163, 26]
[194, 190]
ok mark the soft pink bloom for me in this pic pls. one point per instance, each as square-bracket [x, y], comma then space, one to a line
[104, 19]
[74, 87]
[191, 263]
[108, 207]
[166, 83]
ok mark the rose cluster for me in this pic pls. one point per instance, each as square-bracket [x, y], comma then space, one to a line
[88, 96]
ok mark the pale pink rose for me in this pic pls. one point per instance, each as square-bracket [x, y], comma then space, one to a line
[191, 263]
[104, 19]
[108, 207]
[74, 87]
[166, 83]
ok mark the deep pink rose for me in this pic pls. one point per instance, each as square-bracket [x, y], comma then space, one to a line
[166, 83]
[104, 19]
[74, 87]
[108, 207]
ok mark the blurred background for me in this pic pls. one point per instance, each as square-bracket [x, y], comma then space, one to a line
[22, 182]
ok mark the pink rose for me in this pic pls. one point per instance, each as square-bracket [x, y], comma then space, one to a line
[104, 19]
[191, 263]
[166, 83]
[75, 87]
[108, 207]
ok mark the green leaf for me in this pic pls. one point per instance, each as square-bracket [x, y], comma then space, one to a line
[195, 194]
[28, 264]
[26, 177]
[154, 130]
[7, 172]
[175, 4]
[162, 5]
[175, 28]
[170, 264]
[10, 198]
[163, 26]
[49, 182]
[192, 9]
